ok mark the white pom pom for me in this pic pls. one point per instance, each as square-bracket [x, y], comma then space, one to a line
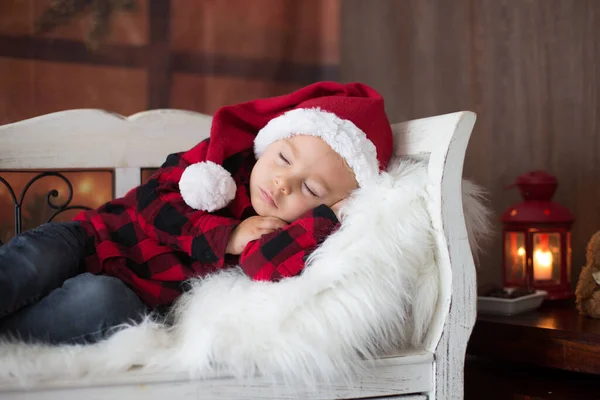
[207, 186]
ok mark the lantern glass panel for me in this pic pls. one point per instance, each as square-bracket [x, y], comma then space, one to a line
[515, 256]
[546, 256]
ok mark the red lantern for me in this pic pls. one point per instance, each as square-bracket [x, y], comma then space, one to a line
[537, 239]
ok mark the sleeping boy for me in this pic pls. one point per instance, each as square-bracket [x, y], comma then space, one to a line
[260, 194]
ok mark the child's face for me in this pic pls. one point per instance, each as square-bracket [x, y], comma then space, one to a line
[297, 174]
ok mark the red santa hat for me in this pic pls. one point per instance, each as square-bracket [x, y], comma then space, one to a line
[349, 117]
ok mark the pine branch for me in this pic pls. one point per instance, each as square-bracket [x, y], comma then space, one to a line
[60, 12]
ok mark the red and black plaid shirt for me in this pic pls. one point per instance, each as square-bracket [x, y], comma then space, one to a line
[153, 241]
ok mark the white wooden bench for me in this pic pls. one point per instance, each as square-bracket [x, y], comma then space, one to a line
[97, 139]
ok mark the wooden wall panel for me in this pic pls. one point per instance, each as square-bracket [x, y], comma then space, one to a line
[16, 88]
[32, 88]
[402, 49]
[16, 17]
[530, 69]
[208, 93]
[304, 31]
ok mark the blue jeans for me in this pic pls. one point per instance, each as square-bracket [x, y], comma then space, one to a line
[46, 296]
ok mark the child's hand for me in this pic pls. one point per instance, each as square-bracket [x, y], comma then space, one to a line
[337, 208]
[251, 229]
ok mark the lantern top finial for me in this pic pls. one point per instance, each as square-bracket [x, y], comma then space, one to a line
[537, 189]
[537, 185]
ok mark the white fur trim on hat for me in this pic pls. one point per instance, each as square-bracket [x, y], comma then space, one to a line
[344, 137]
[207, 186]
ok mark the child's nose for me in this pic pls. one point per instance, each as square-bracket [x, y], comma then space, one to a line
[282, 184]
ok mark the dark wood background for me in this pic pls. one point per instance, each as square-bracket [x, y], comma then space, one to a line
[529, 68]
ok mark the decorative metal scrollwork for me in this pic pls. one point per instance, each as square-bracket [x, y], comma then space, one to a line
[49, 198]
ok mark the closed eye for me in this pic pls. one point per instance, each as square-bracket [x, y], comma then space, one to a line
[285, 160]
[310, 191]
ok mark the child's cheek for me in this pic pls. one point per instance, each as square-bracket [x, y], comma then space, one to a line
[295, 208]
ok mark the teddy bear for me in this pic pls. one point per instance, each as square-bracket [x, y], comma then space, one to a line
[588, 287]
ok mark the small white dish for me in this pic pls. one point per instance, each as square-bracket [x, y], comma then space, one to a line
[500, 306]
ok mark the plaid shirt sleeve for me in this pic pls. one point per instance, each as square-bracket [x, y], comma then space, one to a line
[282, 253]
[164, 216]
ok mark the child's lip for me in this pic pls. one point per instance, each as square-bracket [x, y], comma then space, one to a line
[268, 197]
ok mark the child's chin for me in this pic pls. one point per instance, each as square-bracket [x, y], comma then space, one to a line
[258, 207]
[262, 211]
[267, 213]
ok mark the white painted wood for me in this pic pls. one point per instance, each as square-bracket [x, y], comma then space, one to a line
[445, 138]
[414, 359]
[126, 179]
[393, 375]
[98, 139]
[461, 295]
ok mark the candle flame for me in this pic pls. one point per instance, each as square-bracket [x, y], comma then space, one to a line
[521, 251]
[543, 258]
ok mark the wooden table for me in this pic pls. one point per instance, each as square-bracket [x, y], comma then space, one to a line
[486, 379]
[553, 336]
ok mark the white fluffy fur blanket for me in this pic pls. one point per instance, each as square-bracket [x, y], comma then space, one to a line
[354, 300]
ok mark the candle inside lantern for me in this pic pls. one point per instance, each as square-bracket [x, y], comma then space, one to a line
[542, 265]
